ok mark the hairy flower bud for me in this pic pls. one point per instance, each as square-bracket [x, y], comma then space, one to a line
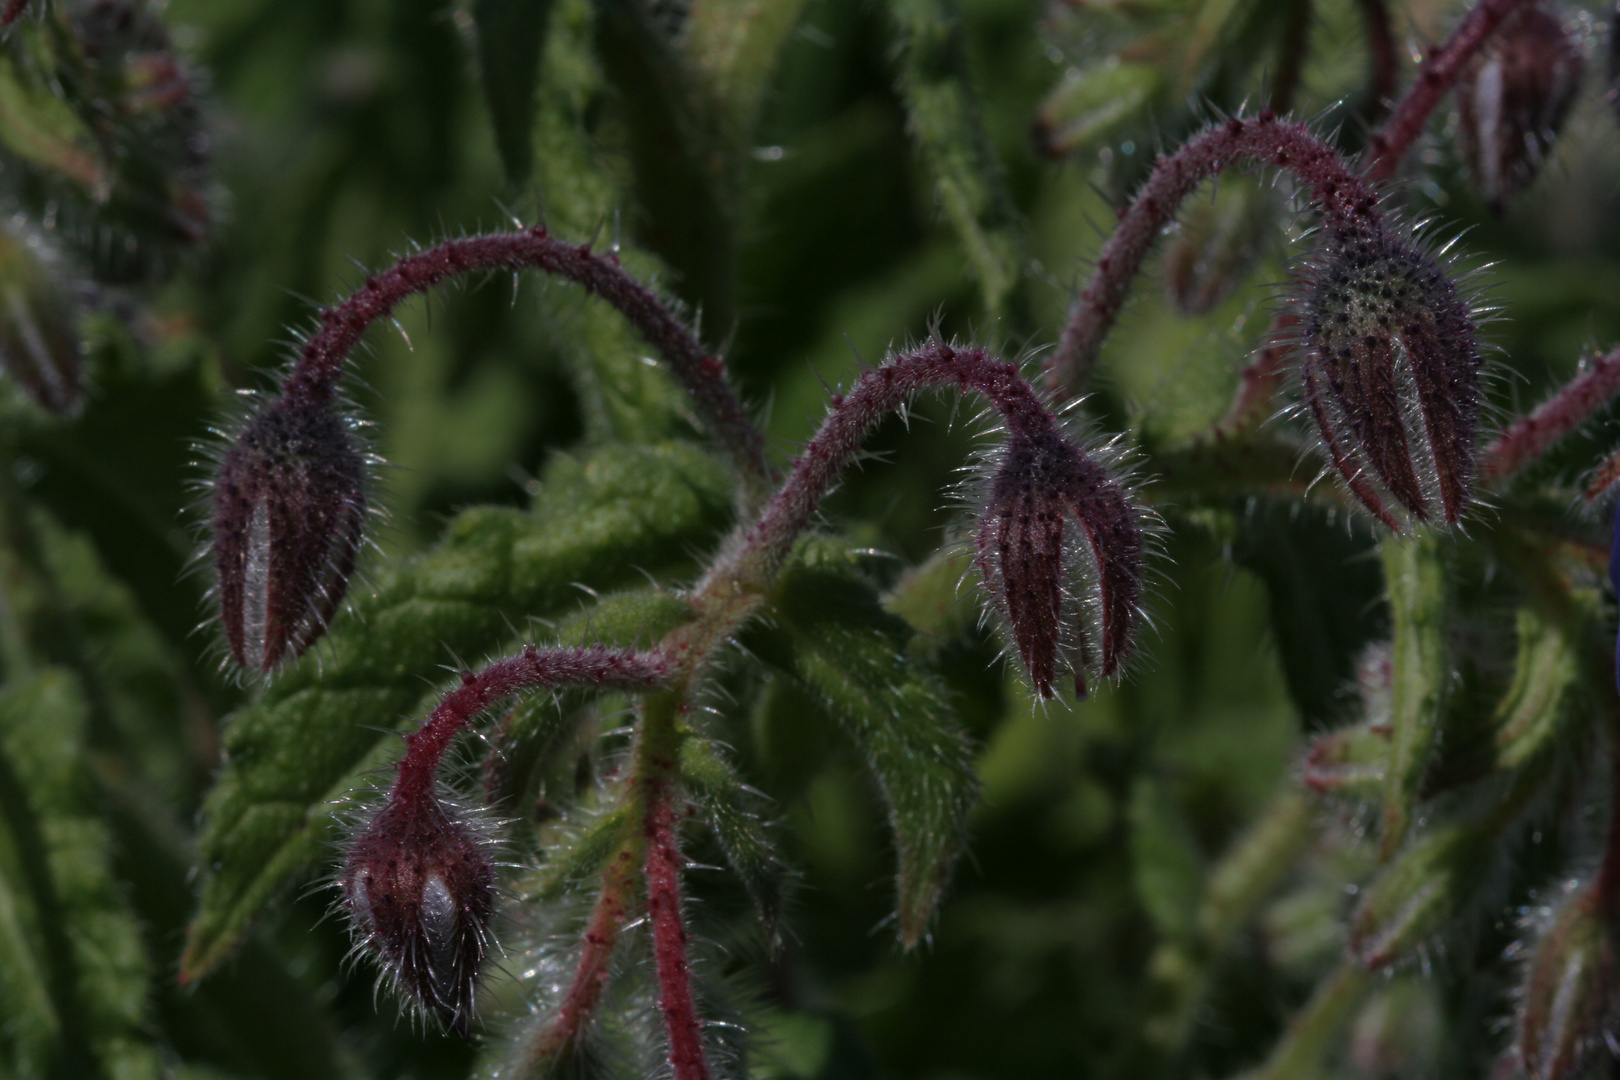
[1066, 602]
[289, 504]
[1569, 1003]
[39, 341]
[1513, 99]
[420, 889]
[1390, 364]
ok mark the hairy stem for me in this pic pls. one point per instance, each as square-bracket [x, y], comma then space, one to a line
[1260, 380]
[321, 361]
[616, 669]
[879, 391]
[1347, 206]
[681, 1024]
[1570, 406]
[1437, 75]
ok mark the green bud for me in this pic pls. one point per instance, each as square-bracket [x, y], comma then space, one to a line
[1568, 999]
[1090, 105]
[1420, 893]
[39, 338]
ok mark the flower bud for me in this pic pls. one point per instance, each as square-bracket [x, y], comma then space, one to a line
[420, 889]
[1568, 1000]
[1419, 894]
[1391, 373]
[289, 503]
[39, 341]
[1065, 603]
[1513, 98]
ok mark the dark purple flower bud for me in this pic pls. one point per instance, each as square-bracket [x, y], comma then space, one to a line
[1570, 997]
[289, 505]
[420, 889]
[39, 337]
[1390, 364]
[1513, 99]
[1060, 548]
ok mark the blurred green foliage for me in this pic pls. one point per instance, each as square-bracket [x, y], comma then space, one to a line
[1145, 894]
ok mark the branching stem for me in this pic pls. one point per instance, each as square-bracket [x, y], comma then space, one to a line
[1572, 405]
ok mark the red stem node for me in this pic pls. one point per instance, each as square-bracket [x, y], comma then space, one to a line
[702, 374]
[1347, 205]
[1572, 405]
[669, 935]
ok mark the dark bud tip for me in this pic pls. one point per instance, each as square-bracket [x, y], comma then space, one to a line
[39, 336]
[1059, 546]
[1513, 98]
[420, 889]
[289, 505]
[1568, 996]
[1390, 362]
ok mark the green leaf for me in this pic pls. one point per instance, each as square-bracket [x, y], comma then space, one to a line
[943, 115]
[1416, 579]
[309, 738]
[735, 815]
[833, 636]
[511, 34]
[75, 980]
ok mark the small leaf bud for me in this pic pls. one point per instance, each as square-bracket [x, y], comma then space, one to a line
[1568, 999]
[39, 341]
[289, 505]
[420, 889]
[1391, 370]
[1065, 603]
[1513, 99]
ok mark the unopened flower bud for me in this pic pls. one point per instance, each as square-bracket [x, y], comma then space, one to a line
[289, 505]
[1513, 99]
[39, 341]
[420, 888]
[1060, 549]
[1391, 371]
[1570, 996]
[1419, 894]
[1217, 242]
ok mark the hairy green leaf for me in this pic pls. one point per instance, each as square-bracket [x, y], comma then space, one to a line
[75, 979]
[317, 728]
[943, 115]
[735, 814]
[833, 636]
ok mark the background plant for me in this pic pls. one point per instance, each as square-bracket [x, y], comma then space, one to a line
[1348, 817]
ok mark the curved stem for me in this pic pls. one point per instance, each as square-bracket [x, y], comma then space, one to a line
[1347, 205]
[320, 363]
[1438, 74]
[1528, 437]
[764, 546]
[616, 669]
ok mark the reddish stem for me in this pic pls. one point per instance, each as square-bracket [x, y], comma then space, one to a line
[1347, 205]
[1607, 886]
[1572, 405]
[1381, 57]
[878, 392]
[596, 952]
[13, 11]
[321, 361]
[616, 669]
[1260, 380]
[669, 935]
[1437, 75]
